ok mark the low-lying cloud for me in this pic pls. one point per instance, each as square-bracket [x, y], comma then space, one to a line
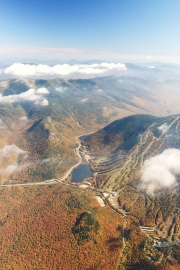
[26, 70]
[33, 95]
[163, 128]
[13, 168]
[23, 118]
[84, 100]
[160, 171]
[12, 148]
[42, 161]
[61, 89]
[6, 153]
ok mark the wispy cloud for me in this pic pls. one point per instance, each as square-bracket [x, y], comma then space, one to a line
[2, 124]
[160, 171]
[13, 168]
[13, 150]
[9, 149]
[61, 89]
[149, 57]
[24, 49]
[163, 128]
[6, 152]
[151, 66]
[33, 95]
[42, 161]
[84, 100]
[23, 118]
[26, 70]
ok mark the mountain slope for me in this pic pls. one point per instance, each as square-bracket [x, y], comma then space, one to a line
[118, 132]
[138, 168]
[69, 108]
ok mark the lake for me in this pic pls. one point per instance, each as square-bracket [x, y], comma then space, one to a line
[83, 171]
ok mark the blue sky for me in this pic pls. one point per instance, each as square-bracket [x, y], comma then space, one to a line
[88, 29]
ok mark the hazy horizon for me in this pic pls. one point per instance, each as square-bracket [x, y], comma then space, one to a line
[115, 31]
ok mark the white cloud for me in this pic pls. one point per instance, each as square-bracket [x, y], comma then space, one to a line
[42, 90]
[90, 70]
[84, 100]
[26, 70]
[111, 66]
[151, 66]
[13, 168]
[6, 152]
[9, 149]
[160, 171]
[149, 57]
[163, 128]
[44, 102]
[33, 95]
[59, 89]
[23, 118]
[12, 149]
[43, 161]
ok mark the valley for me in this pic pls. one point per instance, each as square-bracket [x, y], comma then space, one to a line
[89, 135]
[120, 173]
[41, 147]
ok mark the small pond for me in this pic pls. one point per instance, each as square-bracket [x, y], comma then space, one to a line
[83, 171]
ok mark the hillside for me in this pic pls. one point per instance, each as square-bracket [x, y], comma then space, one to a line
[40, 121]
[43, 117]
[119, 134]
[137, 158]
[55, 227]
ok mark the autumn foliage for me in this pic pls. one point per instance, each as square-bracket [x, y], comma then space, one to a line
[41, 228]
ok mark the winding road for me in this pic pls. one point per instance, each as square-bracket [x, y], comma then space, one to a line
[53, 181]
[60, 180]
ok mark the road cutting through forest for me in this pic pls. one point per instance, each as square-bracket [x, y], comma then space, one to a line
[54, 181]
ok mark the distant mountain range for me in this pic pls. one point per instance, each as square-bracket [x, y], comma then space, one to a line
[150, 70]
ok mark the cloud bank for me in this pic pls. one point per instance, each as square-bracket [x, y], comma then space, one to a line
[160, 171]
[33, 95]
[26, 70]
